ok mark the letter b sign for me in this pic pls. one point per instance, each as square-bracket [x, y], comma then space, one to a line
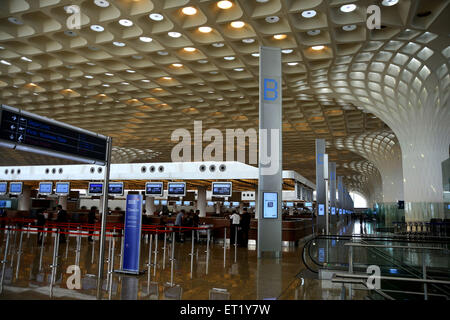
[270, 89]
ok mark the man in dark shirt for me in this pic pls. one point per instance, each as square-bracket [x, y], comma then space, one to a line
[245, 227]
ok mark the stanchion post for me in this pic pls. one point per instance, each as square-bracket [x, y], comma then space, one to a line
[101, 255]
[224, 246]
[156, 255]
[207, 249]
[164, 248]
[42, 249]
[192, 253]
[55, 262]
[4, 259]
[19, 254]
[172, 259]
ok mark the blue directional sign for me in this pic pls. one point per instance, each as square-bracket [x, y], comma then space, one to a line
[132, 239]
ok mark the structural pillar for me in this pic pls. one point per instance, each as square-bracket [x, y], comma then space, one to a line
[150, 207]
[62, 200]
[24, 203]
[201, 201]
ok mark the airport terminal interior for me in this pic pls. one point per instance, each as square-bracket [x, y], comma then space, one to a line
[224, 150]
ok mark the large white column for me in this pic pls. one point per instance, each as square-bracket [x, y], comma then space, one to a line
[62, 200]
[201, 201]
[24, 203]
[218, 207]
[150, 205]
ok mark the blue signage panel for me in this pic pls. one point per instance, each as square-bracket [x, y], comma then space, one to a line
[333, 211]
[340, 211]
[132, 238]
[270, 210]
[321, 209]
[3, 187]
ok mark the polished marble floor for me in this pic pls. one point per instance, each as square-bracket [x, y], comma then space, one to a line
[240, 272]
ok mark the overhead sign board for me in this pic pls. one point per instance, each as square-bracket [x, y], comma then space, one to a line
[221, 189]
[25, 131]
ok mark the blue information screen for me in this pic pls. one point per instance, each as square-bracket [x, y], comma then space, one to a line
[115, 188]
[221, 189]
[45, 187]
[177, 189]
[340, 211]
[154, 189]
[164, 202]
[321, 209]
[186, 203]
[5, 204]
[132, 230]
[15, 187]
[270, 203]
[333, 210]
[289, 204]
[95, 188]
[62, 188]
[3, 186]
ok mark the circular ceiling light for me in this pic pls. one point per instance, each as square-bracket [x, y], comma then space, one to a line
[225, 4]
[205, 29]
[189, 11]
[272, 19]
[5, 62]
[309, 13]
[349, 27]
[70, 33]
[202, 61]
[26, 59]
[109, 74]
[348, 7]
[15, 20]
[119, 44]
[88, 77]
[189, 49]
[238, 69]
[388, 3]
[101, 3]
[145, 39]
[174, 34]
[156, 16]
[229, 58]
[97, 28]
[177, 65]
[313, 32]
[167, 78]
[137, 57]
[287, 51]
[292, 63]
[317, 48]
[90, 63]
[248, 40]
[125, 22]
[255, 54]
[237, 24]
[163, 53]
[218, 44]
[262, 1]
[130, 71]
[280, 36]
[145, 80]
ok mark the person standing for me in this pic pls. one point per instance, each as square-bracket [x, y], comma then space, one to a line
[196, 222]
[62, 218]
[40, 222]
[179, 223]
[235, 220]
[245, 227]
[91, 221]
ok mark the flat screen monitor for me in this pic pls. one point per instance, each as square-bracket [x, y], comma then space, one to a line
[226, 203]
[95, 188]
[221, 189]
[115, 188]
[210, 204]
[340, 211]
[154, 189]
[308, 204]
[289, 204]
[186, 203]
[45, 187]
[177, 189]
[333, 210]
[156, 202]
[15, 187]
[253, 204]
[270, 202]
[235, 204]
[5, 204]
[3, 187]
[164, 202]
[321, 209]
[178, 203]
[62, 188]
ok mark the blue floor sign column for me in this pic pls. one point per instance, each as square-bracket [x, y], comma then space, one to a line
[132, 240]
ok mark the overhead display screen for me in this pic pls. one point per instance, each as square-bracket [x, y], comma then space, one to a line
[235, 204]
[154, 189]
[24, 129]
[115, 188]
[45, 187]
[270, 202]
[95, 188]
[308, 204]
[15, 187]
[186, 203]
[62, 188]
[221, 189]
[3, 187]
[289, 204]
[177, 189]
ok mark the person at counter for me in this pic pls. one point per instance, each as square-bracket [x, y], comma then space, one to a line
[40, 222]
[179, 222]
[245, 227]
[235, 220]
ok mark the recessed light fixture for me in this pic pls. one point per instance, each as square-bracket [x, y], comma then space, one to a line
[348, 7]
[163, 53]
[167, 78]
[174, 34]
[125, 22]
[229, 58]
[145, 80]
[388, 3]
[109, 74]
[125, 83]
[101, 3]
[255, 54]
[15, 20]
[213, 72]
[119, 44]
[137, 57]
[130, 71]
[292, 63]
[97, 28]
[70, 33]
[5, 62]
[225, 4]
[105, 85]
[287, 51]
[272, 19]
[309, 13]
[313, 32]
[205, 29]
[238, 69]
[90, 63]
[237, 24]
[88, 77]
[248, 40]
[202, 61]
[280, 36]
[317, 48]
[189, 11]
[26, 59]
[92, 48]
[145, 39]
[349, 27]
[177, 65]
[262, 1]
[189, 49]
[218, 44]
[156, 16]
